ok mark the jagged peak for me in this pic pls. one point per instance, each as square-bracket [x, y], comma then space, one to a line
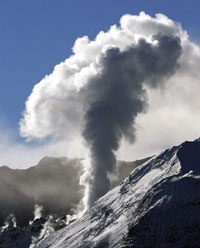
[108, 220]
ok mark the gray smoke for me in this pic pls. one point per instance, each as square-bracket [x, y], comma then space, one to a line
[116, 96]
[103, 90]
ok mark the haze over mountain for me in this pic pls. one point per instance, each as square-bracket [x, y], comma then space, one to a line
[53, 184]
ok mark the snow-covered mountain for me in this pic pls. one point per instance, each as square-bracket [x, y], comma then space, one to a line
[37, 201]
[158, 205]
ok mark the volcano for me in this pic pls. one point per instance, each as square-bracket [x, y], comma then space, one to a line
[157, 205]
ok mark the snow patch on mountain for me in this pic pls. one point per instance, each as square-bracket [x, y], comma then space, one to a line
[109, 221]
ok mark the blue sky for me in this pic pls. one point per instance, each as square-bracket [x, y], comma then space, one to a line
[36, 35]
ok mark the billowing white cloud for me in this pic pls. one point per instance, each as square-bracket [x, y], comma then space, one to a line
[77, 98]
[55, 107]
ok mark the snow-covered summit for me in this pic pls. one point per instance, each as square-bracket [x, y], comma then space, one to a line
[158, 205]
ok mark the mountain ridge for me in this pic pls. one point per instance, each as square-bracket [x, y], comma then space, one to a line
[167, 184]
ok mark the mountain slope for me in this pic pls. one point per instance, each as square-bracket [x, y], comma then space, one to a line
[53, 183]
[156, 206]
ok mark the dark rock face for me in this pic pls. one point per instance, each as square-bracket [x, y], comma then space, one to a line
[175, 219]
[172, 208]
[189, 156]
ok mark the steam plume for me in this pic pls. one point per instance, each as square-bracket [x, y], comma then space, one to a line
[100, 90]
[9, 222]
[116, 96]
